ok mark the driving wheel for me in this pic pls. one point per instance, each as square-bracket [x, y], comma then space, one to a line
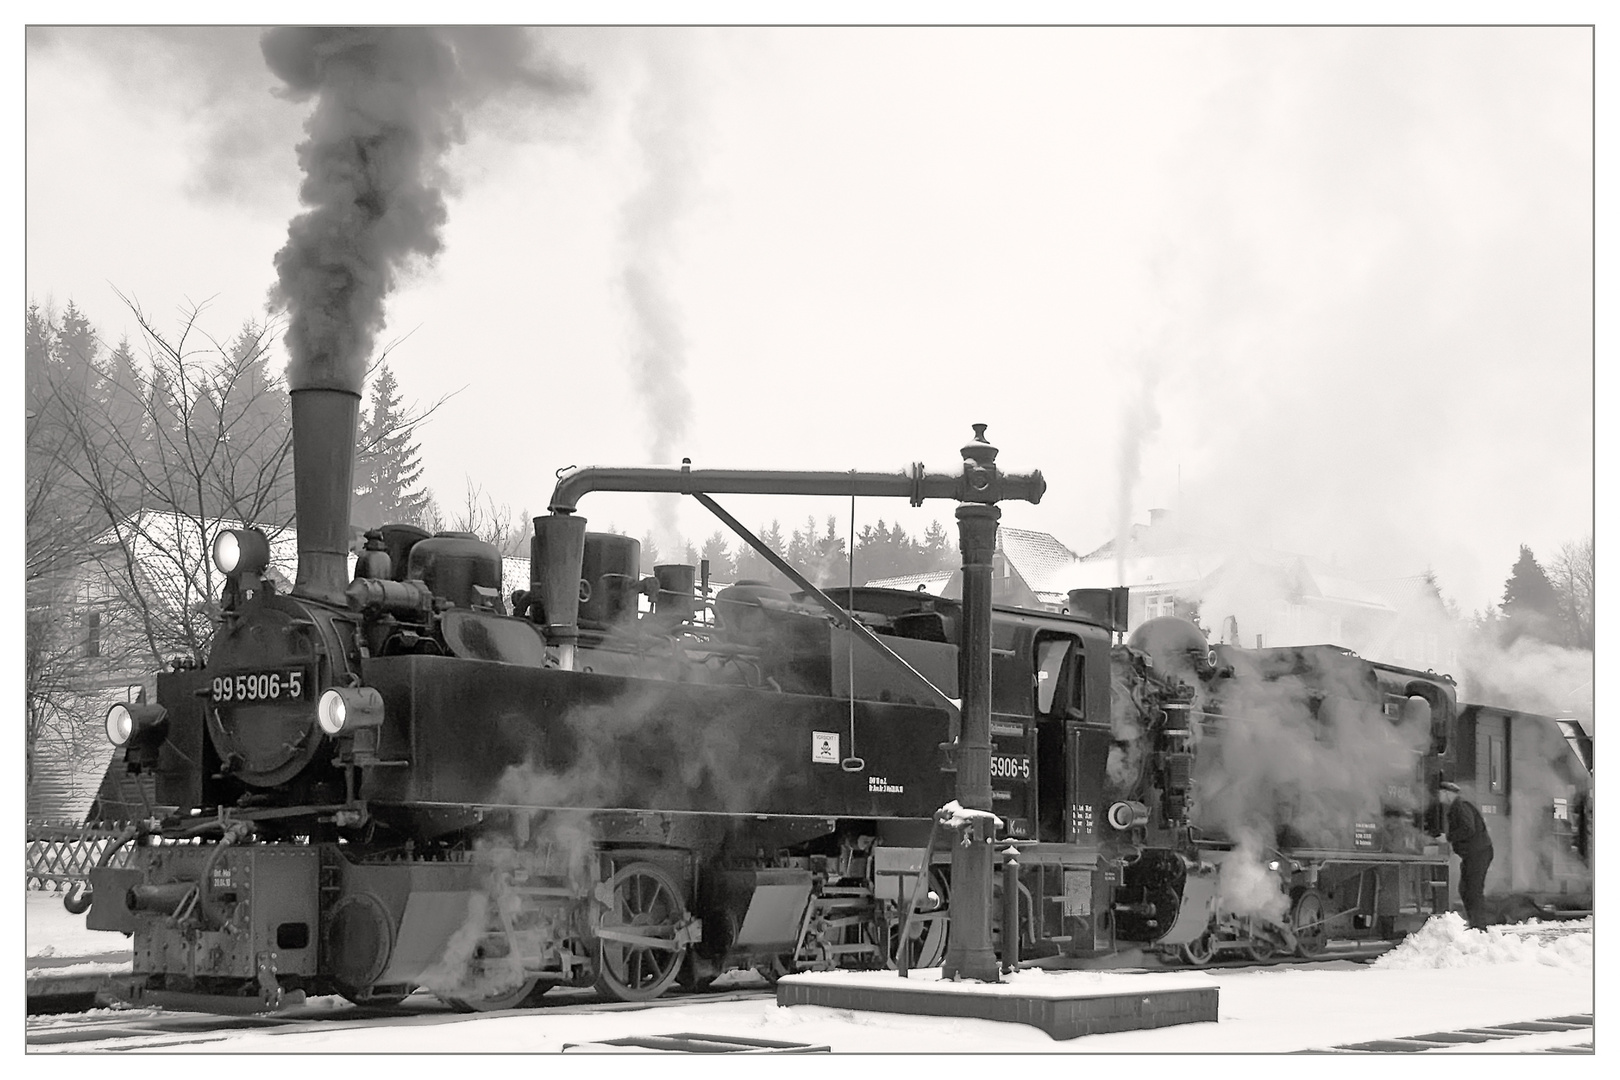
[639, 956]
[1310, 923]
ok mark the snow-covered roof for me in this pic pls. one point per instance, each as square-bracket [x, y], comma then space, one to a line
[1343, 590]
[932, 582]
[1040, 559]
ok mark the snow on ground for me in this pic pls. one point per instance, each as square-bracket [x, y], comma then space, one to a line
[1443, 978]
[1445, 941]
[54, 934]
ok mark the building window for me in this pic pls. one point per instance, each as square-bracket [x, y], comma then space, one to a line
[1498, 772]
[1159, 604]
[92, 634]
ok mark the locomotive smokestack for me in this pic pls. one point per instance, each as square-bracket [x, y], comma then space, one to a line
[324, 423]
[389, 105]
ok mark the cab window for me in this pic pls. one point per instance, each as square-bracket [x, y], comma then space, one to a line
[1057, 678]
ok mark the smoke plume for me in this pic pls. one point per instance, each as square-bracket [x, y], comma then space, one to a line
[389, 105]
[1141, 423]
[660, 123]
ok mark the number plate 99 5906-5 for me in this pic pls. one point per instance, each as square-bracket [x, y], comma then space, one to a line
[246, 687]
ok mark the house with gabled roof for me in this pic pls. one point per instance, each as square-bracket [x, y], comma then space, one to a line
[1028, 569]
[1259, 597]
[98, 651]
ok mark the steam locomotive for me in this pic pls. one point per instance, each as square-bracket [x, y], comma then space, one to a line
[406, 779]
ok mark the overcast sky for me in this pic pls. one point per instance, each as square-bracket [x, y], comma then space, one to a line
[1326, 289]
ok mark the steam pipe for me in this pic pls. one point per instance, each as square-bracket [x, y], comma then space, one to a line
[972, 485]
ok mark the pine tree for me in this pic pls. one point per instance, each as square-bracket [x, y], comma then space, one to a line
[831, 550]
[802, 545]
[938, 546]
[39, 345]
[650, 554]
[714, 549]
[388, 468]
[1529, 602]
[125, 410]
[76, 349]
[752, 566]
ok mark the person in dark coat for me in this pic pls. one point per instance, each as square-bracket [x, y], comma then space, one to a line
[1465, 829]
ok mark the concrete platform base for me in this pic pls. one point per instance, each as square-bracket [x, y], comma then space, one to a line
[1063, 1007]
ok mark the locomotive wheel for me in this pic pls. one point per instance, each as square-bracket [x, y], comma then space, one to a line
[646, 902]
[527, 992]
[1310, 926]
[1198, 952]
[1260, 950]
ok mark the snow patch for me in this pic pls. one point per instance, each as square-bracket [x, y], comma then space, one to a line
[956, 816]
[1446, 941]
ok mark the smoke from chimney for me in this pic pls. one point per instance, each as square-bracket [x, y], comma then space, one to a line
[660, 124]
[1141, 423]
[389, 104]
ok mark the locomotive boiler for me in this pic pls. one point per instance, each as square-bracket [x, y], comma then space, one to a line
[402, 778]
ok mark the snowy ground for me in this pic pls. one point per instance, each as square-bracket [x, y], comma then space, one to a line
[1443, 979]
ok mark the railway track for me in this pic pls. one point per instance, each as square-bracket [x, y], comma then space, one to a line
[138, 1028]
[156, 1029]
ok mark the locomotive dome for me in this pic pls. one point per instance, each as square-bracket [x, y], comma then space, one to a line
[1174, 643]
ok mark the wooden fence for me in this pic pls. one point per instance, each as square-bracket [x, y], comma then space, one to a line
[61, 853]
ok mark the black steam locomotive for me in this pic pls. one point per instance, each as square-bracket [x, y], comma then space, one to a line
[406, 779]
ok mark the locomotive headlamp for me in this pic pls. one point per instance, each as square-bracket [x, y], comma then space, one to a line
[241, 551]
[120, 725]
[128, 721]
[344, 709]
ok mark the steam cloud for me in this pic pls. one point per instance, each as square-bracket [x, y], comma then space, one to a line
[389, 104]
[1141, 423]
[688, 753]
[660, 124]
[1280, 774]
[692, 754]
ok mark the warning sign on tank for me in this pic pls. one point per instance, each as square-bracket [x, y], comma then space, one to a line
[824, 746]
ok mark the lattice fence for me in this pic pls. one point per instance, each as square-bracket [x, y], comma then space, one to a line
[61, 853]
